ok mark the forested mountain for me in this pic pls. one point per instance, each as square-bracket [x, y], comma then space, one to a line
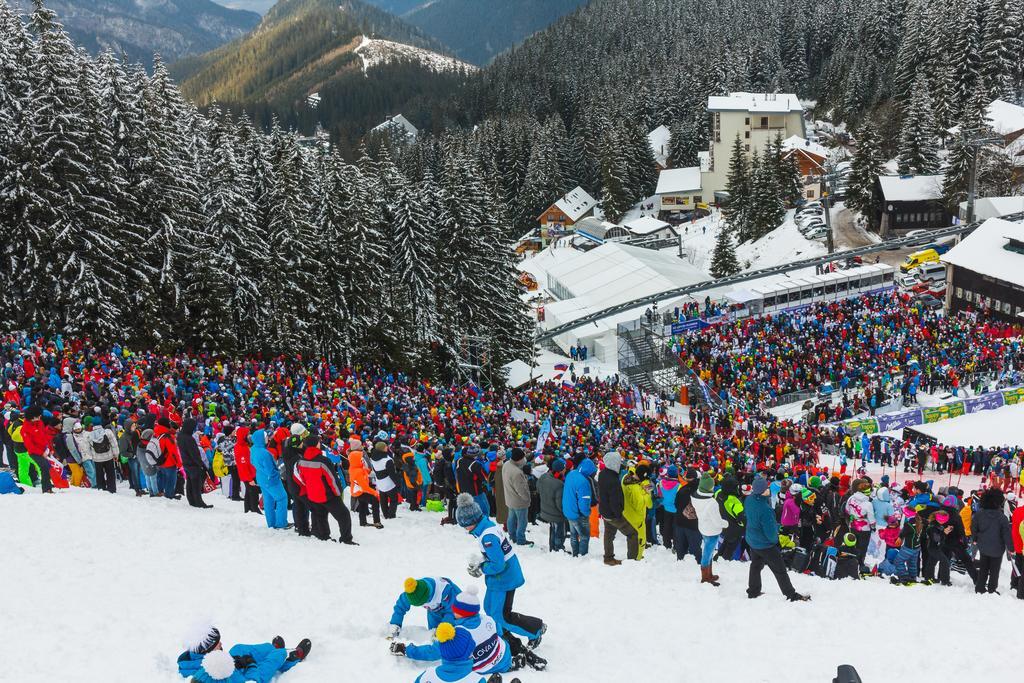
[309, 46]
[477, 30]
[140, 28]
[126, 214]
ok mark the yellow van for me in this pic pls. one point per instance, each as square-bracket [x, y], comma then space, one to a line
[918, 258]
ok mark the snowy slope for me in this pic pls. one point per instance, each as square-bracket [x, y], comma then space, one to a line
[106, 586]
[375, 52]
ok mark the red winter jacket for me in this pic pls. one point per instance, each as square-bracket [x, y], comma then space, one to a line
[243, 456]
[168, 448]
[1016, 532]
[38, 437]
[314, 477]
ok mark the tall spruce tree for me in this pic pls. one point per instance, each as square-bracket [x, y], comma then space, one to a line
[918, 149]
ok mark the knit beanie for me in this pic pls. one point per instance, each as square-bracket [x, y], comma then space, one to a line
[613, 461]
[814, 482]
[557, 465]
[467, 512]
[467, 603]
[455, 643]
[518, 454]
[707, 484]
[219, 665]
[759, 486]
[416, 591]
[691, 474]
[672, 472]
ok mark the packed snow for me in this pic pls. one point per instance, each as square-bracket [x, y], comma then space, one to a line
[374, 52]
[107, 586]
[990, 428]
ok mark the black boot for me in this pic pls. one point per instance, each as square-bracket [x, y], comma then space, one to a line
[301, 650]
[535, 662]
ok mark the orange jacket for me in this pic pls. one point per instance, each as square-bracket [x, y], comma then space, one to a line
[359, 475]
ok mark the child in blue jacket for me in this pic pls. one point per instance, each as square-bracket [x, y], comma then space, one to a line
[205, 660]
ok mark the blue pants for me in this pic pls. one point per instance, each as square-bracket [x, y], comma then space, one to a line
[167, 479]
[275, 503]
[556, 536]
[579, 536]
[494, 606]
[481, 500]
[517, 525]
[152, 483]
[687, 541]
[137, 479]
[266, 657]
[90, 471]
[903, 566]
[708, 553]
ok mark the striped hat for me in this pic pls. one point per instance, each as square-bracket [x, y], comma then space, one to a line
[467, 603]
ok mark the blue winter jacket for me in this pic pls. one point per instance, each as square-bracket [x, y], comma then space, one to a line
[8, 485]
[266, 467]
[762, 527]
[269, 661]
[435, 615]
[576, 501]
[499, 573]
[432, 651]
[882, 505]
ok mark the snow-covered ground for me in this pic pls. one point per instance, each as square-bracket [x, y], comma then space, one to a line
[102, 588]
[375, 52]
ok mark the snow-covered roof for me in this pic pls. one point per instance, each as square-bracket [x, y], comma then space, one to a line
[576, 203]
[614, 273]
[399, 123]
[660, 140]
[755, 103]
[645, 225]
[915, 188]
[983, 251]
[994, 207]
[679, 180]
[796, 142]
[1004, 117]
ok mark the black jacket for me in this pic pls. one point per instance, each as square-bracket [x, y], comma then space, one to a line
[472, 477]
[610, 499]
[682, 501]
[188, 449]
[991, 531]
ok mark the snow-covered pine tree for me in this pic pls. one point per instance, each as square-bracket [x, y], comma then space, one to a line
[767, 209]
[413, 262]
[787, 173]
[918, 150]
[685, 144]
[867, 164]
[723, 258]
[737, 210]
[545, 178]
[1000, 48]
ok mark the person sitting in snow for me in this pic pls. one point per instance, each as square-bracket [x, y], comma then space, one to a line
[8, 485]
[205, 660]
[491, 653]
[435, 595]
[455, 645]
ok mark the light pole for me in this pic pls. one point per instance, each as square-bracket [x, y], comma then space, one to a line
[975, 143]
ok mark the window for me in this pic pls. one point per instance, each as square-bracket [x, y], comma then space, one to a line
[769, 301]
[746, 122]
[810, 194]
[698, 199]
[746, 134]
[764, 121]
[830, 288]
[959, 293]
[746, 148]
[842, 286]
[1006, 307]
[854, 284]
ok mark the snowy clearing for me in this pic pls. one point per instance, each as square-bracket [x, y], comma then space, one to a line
[375, 52]
[114, 582]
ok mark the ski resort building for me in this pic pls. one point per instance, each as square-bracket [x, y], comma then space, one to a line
[810, 157]
[571, 208]
[910, 203]
[985, 272]
[399, 127]
[756, 118]
[679, 189]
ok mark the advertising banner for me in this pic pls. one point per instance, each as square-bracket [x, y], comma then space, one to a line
[942, 412]
[1012, 397]
[869, 425]
[892, 421]
[984, 402]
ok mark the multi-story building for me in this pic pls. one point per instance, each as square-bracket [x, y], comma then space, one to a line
[756, 118]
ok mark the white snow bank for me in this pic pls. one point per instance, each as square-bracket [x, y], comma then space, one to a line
[106, 586]
[375, 52]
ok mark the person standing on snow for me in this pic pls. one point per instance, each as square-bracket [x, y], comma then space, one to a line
[193, 464]
[710, 523]
[991, 532]
[319, 487]
[762, 536]
[501, 569]
[384, 472]
[861, 514]
[246, 471]
[611, 504]
[517, 495]
[206, 661]
[436, 595]
[363, 496]
[550, 487]
[636, 498]
[275, 497]
[577, 501]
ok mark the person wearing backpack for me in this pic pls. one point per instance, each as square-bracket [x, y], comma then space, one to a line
[147, 453]
[168, 459]
[192, 462]
[104, 455]
[687, 535]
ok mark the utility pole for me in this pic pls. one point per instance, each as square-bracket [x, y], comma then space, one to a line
[825, 191]
[975, 143]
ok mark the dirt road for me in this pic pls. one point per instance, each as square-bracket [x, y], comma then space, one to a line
[848, 236]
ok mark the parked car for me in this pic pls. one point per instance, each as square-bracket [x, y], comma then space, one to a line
[917, 233]
[928, 301]
[907, 281]
[931, 272]
[817, 233]
[918, 258]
